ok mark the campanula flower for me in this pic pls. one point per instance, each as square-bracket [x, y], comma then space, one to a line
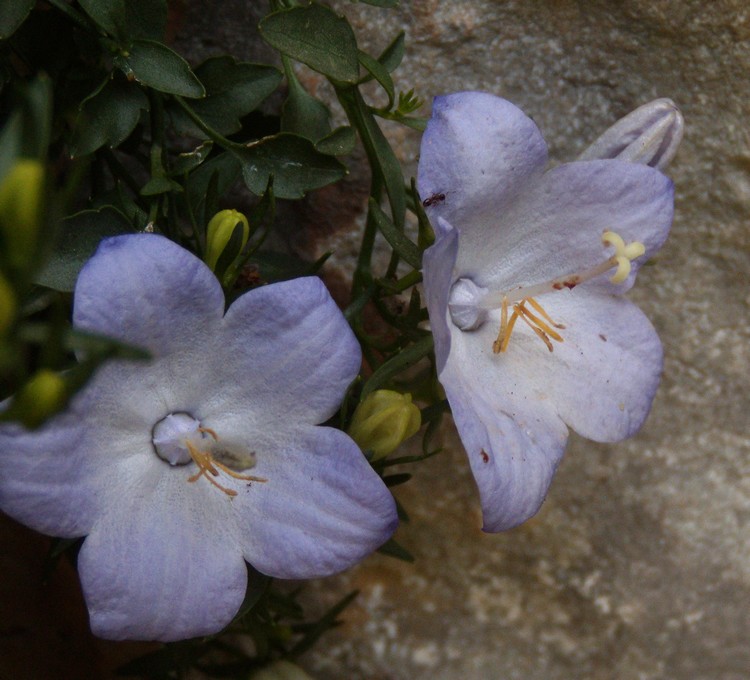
[180, 469]
[524, 287]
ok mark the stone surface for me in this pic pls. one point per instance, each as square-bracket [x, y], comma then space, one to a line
[638, 566]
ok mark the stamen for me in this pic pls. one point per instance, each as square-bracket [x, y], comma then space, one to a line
[207, 465]
[539, 326]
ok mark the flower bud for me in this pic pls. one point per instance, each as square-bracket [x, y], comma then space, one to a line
[7, 305]
[383, 420]
[42, 396]
[21, 191]
[226, 236]
[280, 670]
[649, 135]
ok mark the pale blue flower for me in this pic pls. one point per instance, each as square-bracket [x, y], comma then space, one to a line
[552, 251]
[179, 469]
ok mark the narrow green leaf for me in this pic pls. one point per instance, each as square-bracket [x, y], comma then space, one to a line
[297, 167]
[380, 73]
[397, 240]
[380, 3]
[393, 55]
[233, 89]
[12, 14]
[316, 36]
[107, 117]
[77, 239]
[189, 160]
[160, 185]
[396, 550]
[225, 167]
[398, 363]
[340, 142]
[155, 65]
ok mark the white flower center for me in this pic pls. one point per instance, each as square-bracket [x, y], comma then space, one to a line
[469, 304]
[179, 439]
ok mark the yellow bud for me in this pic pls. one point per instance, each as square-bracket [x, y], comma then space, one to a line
[21, 192]
[383, 420]
[226, 236]
[280, 670]
[7, 305]
[42, 396]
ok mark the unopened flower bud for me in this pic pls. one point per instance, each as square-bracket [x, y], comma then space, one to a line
[226, 236]
[383, 420]
[649, 135]
[7, 305]
[21, 191]
[42, 396]
[280, 670]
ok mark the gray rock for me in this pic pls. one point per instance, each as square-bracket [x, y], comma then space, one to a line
[638, 565]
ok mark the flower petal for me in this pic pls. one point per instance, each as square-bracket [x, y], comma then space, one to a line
[603, 377]
[161, 564]
[321, 510]
[286, 353]
[146, 290]
[556, 229]
[513, 446]
[479, 151]
[438, 261]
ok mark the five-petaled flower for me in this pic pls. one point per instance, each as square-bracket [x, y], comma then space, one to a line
[524, 287]
[179, 469]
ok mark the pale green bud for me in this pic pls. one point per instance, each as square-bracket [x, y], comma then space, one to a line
[226, 236]
[7, 305]
[42, 396]
[383, 420]
[21, 192]
[280, 670]
[649, 135]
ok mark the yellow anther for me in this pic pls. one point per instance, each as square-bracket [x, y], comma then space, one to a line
[624, 254]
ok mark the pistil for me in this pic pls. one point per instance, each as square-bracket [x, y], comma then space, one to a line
[520, 299]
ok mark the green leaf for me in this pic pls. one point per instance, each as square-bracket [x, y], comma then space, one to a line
[396, 238]
[340, 142]
[225, 168]
[396, 550]
[77, 239]
[160, 185]
[233, 89]
[128, 19]
[274, 266]
[155, 65]
[398, 363]
[189, 160]
[302, 113]
[316, 36]
[380, 73]
[107, 117]
[392, 55]
[12, 15]
[297, 167]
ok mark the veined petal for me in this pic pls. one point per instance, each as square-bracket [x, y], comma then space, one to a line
[160, 564]
[514, 440]
[286, 351]
[148, 291]
[321, 510]
[603, 377]
[480, 152]
[556, 229]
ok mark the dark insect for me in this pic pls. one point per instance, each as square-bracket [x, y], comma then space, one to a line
[432, 200]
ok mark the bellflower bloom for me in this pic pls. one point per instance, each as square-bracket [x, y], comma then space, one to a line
[179, 469]
[524, 287]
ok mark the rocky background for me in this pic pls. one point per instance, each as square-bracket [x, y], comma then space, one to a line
[638, 565]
